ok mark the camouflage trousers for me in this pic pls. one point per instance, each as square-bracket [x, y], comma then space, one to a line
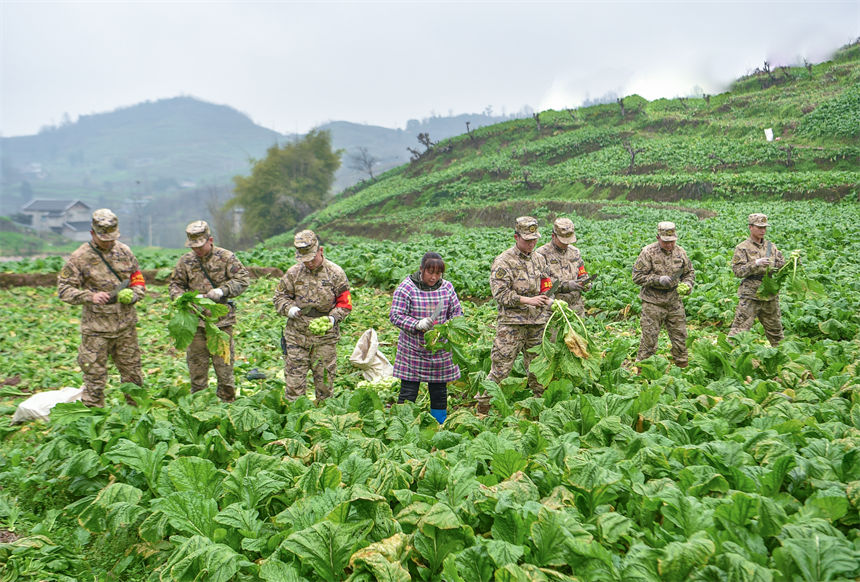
[93, 358]
[510, 340]
[305, 353]
[673, 318]
[198, 358]
[767, 313]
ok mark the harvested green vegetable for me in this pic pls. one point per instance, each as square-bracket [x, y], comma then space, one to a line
[683, 289]
[772, 282]
[188, 310]
[125, 296]
[565, 349]
[320, 325]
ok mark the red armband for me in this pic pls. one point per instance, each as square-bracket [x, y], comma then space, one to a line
[545, 285]
[343, 300]
[581, 271]
[137, 280]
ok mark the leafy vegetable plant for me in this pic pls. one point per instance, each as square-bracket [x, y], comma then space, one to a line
[188, 310]
[771, 283]
[566, 350]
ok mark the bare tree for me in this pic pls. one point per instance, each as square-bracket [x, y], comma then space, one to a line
[363, 161]
[469, 131]
[789, 151]
[632, 152]
[424, 139]
[536, 117]
[415, 154]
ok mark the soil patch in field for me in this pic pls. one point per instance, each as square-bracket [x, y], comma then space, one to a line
[7, 537]
[505, 213]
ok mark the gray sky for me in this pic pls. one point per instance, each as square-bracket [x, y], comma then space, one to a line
[293, 65]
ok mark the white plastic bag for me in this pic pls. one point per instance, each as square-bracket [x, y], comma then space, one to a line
[39, 405]
[367, 357]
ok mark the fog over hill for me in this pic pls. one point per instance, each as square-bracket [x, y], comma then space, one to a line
[171, 158]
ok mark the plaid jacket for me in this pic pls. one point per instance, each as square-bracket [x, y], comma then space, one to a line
[408, 306]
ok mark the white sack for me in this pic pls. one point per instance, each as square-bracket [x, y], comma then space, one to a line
[367, 357]
[39, 405]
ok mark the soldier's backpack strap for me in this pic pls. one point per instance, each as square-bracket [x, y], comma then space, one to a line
[211, 282]
[104, 260]
[206, 273]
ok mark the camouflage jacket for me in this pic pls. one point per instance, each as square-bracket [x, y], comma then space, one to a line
[85, 273]
[224, 269]
[515, 273]
[743, 265]
[323, 291]
[654, 262]
[565, 265]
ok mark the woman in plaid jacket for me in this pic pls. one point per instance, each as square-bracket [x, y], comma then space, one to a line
[412, 307]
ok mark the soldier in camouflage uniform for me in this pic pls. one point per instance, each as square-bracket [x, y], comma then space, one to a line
[92, 277]
[518, 279]
[660, 267]
[220, 276]
[313, 287]
[752, 259]
[566, 267]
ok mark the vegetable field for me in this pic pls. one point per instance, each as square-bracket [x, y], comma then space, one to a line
[743, 467]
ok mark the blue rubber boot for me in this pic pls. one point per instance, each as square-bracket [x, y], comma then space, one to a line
[440, 414]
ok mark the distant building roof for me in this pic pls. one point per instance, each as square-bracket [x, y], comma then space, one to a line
[50, 205]
[78, 226]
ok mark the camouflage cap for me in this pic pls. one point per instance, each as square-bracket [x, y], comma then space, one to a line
[527, 228]
[198, 234]
[105, 224]
[563, 229]
[666, 231]
[307, 244]
[757, 219]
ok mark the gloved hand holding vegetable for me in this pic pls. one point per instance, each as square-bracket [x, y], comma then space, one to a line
[215, 294]
[573, 285]
[763, 261]
[665, 281]
[294, 312]
[424, 324]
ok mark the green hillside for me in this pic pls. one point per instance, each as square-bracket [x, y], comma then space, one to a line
[667, 150]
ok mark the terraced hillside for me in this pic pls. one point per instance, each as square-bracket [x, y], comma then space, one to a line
[668, 150]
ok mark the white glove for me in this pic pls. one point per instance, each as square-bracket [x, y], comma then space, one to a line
[331, 319]
[762, 261]
[294, 312]
[424, 324]
[665, 281]
[215, 294]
